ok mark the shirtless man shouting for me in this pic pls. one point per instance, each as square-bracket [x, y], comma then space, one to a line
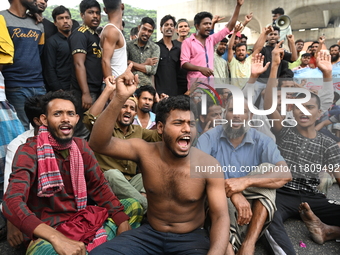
[175, 200]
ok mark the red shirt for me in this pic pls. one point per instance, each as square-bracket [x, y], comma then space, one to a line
[26, 210]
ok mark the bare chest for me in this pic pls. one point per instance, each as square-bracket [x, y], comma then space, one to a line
[175, 185]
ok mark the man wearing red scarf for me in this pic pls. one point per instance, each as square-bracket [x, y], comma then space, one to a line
[53, 175]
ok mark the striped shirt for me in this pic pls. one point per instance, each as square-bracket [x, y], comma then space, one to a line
[306, 157]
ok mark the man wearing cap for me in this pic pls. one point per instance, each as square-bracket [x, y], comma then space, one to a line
[122, 175]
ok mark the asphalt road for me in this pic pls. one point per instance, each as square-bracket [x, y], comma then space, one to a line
[296, 229]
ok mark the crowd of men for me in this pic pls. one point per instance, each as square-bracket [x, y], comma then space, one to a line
[140, 147]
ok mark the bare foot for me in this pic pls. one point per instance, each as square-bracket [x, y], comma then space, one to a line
[313, 223]
[246, 249]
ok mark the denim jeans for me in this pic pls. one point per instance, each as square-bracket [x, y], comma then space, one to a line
[17, 97]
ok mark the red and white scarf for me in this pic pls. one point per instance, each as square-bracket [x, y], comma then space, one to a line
[50, 180]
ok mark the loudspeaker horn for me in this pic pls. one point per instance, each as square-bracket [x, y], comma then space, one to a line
[283, 22]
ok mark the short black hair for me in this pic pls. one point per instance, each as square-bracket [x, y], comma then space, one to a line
[277, 29]
[225, 40]
[305, 55]
[287, 75]
[112, 5]
[318, 101]
[244, 36]
[278, 10]
[299, 40]
[334, 45]
[59, 10]
[169, 104]
[201, 15]
[134, 31]
[59, 94]
[240, 45]
[87, 4]
[182, 20]
[166, 18]
[147, 88]
[149, 21]
[33, 108]
[314, 42]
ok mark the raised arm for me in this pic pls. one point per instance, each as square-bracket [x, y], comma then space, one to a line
[237, 28]
[292, 47]
[262, 39]
[257, 67]
[233, 19]
[101, 139]
[326, 94]
[247, 19]
[321, 40]
[215, 20]
[99, 105]
[277, 55]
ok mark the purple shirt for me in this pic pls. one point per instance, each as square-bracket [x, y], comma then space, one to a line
[195, 53]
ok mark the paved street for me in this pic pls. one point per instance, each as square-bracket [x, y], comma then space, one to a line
[295, 228]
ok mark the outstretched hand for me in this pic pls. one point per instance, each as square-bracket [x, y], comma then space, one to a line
[257, 67]
[238, 28]
[323, 62]
[240, 2]
[268, 30]
[291, 38]
[248, 18]
[217, 19]
[126, 83]
[322, 39]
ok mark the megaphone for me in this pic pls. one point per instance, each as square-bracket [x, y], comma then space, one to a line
[283, 22]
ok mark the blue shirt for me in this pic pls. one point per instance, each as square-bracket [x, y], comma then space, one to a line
[255, 149]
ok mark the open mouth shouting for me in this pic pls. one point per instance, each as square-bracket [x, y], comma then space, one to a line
[65, 129]
[304, 118]
[126, 117]
[184, 142]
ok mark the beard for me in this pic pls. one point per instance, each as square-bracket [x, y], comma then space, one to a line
[334, 58]
[232, 133]
[240, 59]
[126, 124]
[145, 110]
[31, 6]
[167, 141]
[61, 141]
[220, 52]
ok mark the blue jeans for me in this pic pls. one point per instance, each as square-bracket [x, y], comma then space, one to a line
[17, 97]
[147, 241]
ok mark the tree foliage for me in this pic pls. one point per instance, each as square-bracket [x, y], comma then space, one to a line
[132, 17]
